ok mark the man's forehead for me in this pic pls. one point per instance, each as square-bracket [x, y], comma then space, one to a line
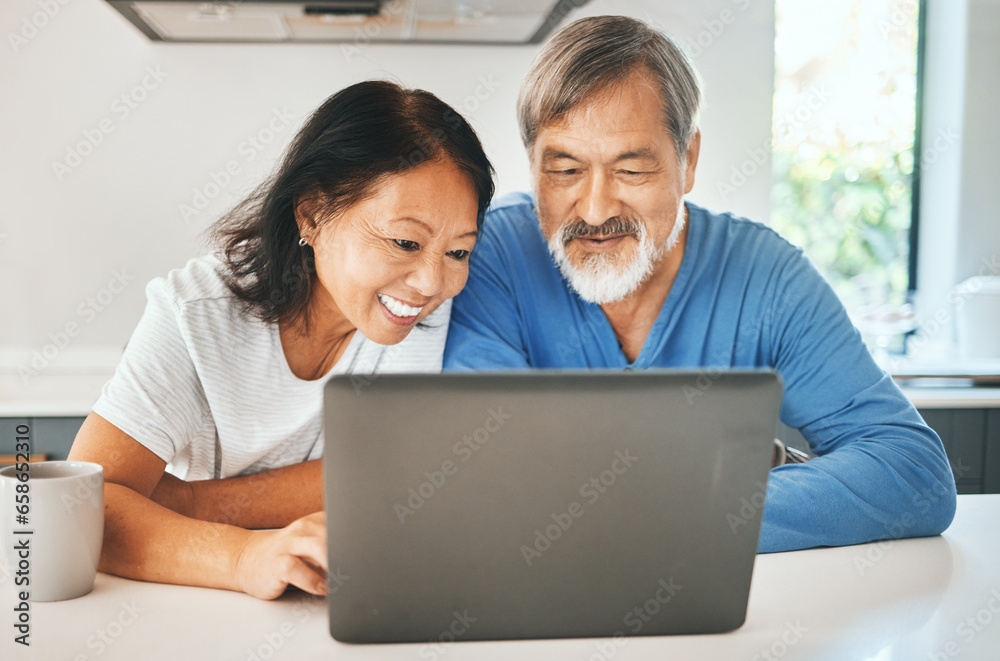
[618, 143]
[639, 147]
[626, 116]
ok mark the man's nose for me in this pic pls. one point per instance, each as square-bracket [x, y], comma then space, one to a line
[598, 201]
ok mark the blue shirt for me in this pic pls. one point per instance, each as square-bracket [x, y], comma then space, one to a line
[743, 297]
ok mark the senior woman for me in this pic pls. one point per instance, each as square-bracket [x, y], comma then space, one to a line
[344, 262]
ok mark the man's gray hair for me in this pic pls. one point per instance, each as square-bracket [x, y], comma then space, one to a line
[593, 53]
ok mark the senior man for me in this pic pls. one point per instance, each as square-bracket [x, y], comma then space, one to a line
[607, 266]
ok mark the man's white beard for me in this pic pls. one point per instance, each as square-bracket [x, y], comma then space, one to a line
[606, 277]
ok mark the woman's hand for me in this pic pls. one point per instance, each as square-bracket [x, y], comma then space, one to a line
[272, 560]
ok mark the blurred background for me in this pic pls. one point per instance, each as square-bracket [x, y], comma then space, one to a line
[862, 131]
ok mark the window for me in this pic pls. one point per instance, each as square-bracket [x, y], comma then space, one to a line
[845, 119]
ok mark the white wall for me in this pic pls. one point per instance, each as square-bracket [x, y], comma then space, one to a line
[64, 237]
[979, 238]
[960, 197]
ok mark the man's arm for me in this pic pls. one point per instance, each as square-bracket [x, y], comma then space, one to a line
[484, 332]
[881, 471]
[269, 499]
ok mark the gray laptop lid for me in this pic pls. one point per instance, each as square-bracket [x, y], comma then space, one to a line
[544, 504]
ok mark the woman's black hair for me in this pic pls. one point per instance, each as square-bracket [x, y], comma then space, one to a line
[358, 137]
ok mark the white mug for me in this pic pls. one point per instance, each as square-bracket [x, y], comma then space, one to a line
[977, 318]
[53, 527]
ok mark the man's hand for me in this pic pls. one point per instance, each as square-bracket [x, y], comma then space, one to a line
[786, 454]
[175, 494]
[272, 560]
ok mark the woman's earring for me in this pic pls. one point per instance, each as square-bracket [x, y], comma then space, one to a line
[302, 242]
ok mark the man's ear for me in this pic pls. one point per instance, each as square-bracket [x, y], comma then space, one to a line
[693, 149]
[532, 164]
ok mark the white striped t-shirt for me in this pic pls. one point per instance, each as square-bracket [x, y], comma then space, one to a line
[208, 390]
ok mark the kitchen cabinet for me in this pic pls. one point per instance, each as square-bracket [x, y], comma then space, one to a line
[971, 438]
[51, 436]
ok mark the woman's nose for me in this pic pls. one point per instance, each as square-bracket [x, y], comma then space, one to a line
[427, 278]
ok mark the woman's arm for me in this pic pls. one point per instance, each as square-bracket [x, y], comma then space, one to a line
[269, 499]
[146, 541]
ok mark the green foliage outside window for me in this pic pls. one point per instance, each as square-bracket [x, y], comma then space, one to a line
[853, 222]
[842, 177]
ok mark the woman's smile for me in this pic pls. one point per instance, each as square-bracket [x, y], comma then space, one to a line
[397, 311]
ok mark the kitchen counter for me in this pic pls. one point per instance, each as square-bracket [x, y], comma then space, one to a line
[50, 395]
[928, 598]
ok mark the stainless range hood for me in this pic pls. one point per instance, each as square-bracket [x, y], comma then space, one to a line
[353, 21]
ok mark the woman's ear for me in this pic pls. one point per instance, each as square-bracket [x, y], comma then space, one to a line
[307, 208]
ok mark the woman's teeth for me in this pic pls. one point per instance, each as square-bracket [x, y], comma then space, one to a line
[397, 308]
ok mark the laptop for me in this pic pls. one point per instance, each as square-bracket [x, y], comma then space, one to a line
[544, 504]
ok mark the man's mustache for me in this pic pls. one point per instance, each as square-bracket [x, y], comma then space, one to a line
[612, 227]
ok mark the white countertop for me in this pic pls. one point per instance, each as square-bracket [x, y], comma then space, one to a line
[905, 599]
[50, 395]
[970, 397]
